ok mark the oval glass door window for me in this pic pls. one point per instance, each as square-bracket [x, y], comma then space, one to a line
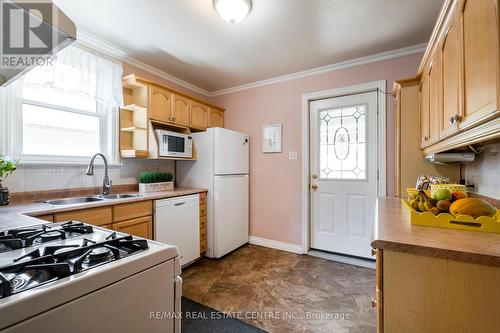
[343, 143]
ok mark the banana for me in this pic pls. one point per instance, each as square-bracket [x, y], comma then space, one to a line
[414, 203]
[428, 205]
[421, 204]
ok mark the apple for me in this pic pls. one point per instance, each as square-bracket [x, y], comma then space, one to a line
[458, 195]
[442, 194]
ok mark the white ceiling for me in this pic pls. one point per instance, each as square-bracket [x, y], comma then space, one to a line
[187, 39]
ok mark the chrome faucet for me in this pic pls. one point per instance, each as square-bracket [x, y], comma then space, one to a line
[106, 183]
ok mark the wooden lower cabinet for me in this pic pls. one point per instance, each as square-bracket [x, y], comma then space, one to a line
[423, 294]
[132, 210]
[132, 218]
[96, 216]
[141, 227]
[49, 218]
[378, 302]
[107, 226]
[203, 222]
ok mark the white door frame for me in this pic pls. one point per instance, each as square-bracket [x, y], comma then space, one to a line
[379, 87]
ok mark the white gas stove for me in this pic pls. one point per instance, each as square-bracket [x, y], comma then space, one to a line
[74, 277]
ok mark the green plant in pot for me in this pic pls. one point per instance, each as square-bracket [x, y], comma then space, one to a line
[155, 181]
[7, 167]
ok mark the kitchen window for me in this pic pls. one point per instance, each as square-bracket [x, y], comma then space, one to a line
[66, 112]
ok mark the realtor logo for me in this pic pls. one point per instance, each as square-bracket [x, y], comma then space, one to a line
[27, 33]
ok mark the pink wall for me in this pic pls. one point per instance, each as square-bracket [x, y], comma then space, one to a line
[275, 181]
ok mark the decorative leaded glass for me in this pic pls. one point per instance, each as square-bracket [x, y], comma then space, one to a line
[342, 143]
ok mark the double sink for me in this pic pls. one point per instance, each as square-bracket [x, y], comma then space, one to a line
[101, 197]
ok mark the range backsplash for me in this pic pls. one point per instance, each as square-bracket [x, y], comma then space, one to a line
[484, 174]
[52, 177]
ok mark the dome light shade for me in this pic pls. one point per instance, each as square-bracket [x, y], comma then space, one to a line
[233, 11]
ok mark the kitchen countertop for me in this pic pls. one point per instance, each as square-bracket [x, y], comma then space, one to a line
[18, 215]
[393, 231]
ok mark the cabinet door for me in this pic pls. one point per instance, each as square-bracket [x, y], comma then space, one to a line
[199, 115]
[480, 51]
[215, 118]
[450, 67]
[434, 99]
[160, 106]
[424, 111]
[96, 216]
[180, 110]
[141, 227]
[49, 218]
[379, 299]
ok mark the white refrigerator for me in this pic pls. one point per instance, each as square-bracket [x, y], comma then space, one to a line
[221, 166]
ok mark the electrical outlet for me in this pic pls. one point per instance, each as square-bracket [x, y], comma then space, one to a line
[292, 155]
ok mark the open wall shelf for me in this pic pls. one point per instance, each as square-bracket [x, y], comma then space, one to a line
[134, 125]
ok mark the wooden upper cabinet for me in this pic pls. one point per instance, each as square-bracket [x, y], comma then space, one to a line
[451, 84]
[160, 104]
[424, 111]
[479, 19]
[215, 118]
[434, 99]
[199, 115]
[180, 110]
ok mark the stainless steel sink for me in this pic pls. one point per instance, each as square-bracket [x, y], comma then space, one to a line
[115, 196]
[71, 201]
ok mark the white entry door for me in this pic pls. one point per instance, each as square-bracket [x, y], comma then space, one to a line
[344, 176]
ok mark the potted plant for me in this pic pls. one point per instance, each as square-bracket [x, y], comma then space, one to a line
[7, 167]
[155, 181]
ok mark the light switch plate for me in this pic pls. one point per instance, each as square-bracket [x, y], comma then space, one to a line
[292, 155]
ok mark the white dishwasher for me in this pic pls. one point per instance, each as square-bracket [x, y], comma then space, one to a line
[177, 222]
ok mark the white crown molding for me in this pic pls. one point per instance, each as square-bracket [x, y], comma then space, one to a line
[115, 52]
[85, 39]
[406, 51]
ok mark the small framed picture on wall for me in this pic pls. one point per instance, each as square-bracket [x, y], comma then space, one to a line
[271, 138]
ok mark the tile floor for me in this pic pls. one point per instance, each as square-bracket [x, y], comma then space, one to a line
[279, 291]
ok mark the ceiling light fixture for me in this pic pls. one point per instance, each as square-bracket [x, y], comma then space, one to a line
[233, 11]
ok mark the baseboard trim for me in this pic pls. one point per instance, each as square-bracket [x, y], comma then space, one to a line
[343, 259]
[294, 248]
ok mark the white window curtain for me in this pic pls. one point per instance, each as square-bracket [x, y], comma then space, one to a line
[89, 75]
[77, 73]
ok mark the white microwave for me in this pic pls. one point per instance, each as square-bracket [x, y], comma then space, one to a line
[173, 144]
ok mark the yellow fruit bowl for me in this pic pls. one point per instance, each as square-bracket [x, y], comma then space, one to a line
[450, 187]
[413, 191]
[459, 222]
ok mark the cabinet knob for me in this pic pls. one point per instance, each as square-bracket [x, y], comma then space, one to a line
[374, 303]
[424, 139]
[455, 118]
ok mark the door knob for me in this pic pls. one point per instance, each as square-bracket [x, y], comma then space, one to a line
[314, 176]
[314, 187]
